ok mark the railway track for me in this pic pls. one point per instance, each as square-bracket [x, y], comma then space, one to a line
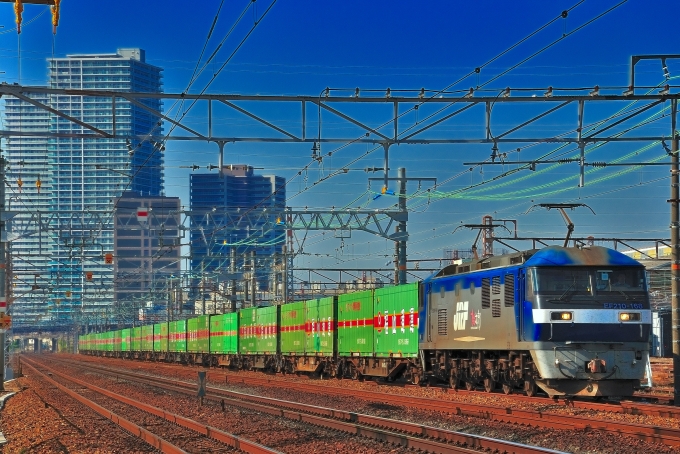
[401, 433]
[625, 407]
[163, 443]
[667, 436]
[647, 433]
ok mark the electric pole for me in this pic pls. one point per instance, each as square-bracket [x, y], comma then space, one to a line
[675, 255]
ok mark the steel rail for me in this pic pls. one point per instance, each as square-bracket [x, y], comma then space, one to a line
[668, 436]
[139, 432]
[208, 431]
[424, 438]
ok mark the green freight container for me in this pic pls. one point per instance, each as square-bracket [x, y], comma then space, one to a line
[147, 338]
[117, 340]
[98, 341]
[224, 334]
[136, 339]
[396, 321]
[320, 326]
[125, 340]
[355, 324]
[247, 340]
[268, 330]
[177, 336]
[161, 338]
[198, 338]
[165, 337]
[293, 329]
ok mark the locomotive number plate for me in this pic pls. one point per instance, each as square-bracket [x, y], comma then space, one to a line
[622, 306]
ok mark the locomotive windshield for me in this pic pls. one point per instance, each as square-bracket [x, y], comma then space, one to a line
[586, 284]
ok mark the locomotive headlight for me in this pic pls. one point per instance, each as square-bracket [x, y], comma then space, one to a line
[561, 316]
[629, 316]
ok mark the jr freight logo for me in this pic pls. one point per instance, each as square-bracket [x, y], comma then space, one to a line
[460, 319]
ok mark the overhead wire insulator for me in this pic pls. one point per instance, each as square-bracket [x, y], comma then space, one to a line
[565, 160]
[598, 164]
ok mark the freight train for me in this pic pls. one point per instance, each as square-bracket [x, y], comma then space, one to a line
[569, 321]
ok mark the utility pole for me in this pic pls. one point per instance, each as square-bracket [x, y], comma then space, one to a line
[3, 267]
[252, 279]
[232, 271]
[285, 274]
[401, 235]
[675, 254]
[401, 178]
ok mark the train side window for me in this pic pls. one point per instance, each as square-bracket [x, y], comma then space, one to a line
[442, 291]
[459, 287]
[472, 288]
[530, 280]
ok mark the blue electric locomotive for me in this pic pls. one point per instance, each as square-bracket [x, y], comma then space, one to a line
[571, 321]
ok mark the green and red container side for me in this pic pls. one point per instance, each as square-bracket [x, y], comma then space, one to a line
[267, 332]
[293, 333]
[355, 324]
[117, 340]
[247, 340]
[177, 336]
[396, 321]
[125, 339]
[198, 338]
[146, 344]
[258, 330]
[224, 334]
[321, 317]
[160, 337]
[136, 339]
[382, 323]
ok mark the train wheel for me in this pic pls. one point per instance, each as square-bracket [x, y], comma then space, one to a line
[453, 382]
[530, 387]
[470, 386]
[507, 389]
[489, 384]
[416, 377]
[354, 372]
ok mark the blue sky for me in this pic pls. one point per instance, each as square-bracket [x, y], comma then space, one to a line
[301, 47]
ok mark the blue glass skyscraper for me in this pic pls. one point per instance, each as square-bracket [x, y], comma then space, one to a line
[222, 196]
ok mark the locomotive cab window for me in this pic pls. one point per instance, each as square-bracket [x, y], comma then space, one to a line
[616, 280]
[585, 285]
[562, 281]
